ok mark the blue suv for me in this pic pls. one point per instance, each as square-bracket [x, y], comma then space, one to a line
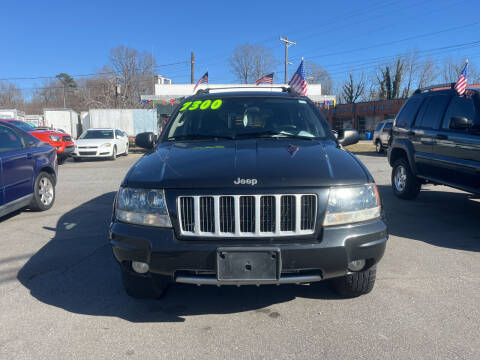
[28, 171]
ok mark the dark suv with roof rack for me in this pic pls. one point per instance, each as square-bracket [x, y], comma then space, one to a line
[247, 188]
[436, 139]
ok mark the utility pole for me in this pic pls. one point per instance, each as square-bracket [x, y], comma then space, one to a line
[118, 91]
[192, 68]
[64, 102]
[287, 45]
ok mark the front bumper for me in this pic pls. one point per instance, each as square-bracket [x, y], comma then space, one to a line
[63, 149]
[93, 153]
[195, 261]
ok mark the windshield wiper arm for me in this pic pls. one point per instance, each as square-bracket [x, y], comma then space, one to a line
[199, 137]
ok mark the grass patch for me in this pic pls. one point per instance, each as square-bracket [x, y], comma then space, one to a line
[362, 146]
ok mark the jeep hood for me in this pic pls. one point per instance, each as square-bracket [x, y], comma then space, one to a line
[272, 162]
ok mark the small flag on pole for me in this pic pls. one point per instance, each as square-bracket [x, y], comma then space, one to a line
[461, 84]
[299, 81]
[265, 79]
[202, 80]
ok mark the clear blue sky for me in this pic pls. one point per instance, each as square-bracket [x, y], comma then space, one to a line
[43, 38]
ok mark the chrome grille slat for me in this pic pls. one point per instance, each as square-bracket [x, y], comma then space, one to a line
[247, 215]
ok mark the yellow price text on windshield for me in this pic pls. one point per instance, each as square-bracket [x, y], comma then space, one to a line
[202, 105]
[186, 105]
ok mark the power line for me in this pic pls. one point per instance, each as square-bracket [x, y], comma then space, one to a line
[87, 75]
[396, 41]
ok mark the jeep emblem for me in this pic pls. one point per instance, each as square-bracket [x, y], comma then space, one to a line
[252, 182]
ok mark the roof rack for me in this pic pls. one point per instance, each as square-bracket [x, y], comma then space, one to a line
[446, 86]
[233, 88]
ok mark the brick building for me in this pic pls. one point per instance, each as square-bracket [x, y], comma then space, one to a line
[363, 116]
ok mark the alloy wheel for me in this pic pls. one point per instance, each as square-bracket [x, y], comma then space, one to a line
[400, 178]
[45, 191]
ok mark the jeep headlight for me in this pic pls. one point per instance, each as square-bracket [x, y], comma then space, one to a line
[352, 204]
[54, 138]
[106, 145]
[142, 207]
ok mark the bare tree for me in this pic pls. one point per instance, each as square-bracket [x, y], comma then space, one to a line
[451, 69]
[134, 71]
[10, 95]
[390, 78]
[49, 94]
[249, 62]
[352, 89]
[316, 74]
[427, 73]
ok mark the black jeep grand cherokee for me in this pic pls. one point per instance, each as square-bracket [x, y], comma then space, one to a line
[436, 139]
[247, 188]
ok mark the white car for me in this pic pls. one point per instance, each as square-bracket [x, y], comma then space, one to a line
[101, 143]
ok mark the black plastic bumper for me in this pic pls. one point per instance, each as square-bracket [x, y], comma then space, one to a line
[324, 258]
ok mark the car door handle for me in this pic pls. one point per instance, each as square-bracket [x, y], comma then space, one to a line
[29, 156]
[441, 137]
[410, 132]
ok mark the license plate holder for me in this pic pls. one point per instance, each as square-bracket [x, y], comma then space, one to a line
[248, 264]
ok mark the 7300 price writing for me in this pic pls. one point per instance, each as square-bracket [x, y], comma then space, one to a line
[202, 105]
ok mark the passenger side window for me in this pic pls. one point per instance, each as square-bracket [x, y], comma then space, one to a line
[387, 127]
[9, 140]
[432, 112]
[408, 112]
[459, 106]
[379, 126]
[118, 133]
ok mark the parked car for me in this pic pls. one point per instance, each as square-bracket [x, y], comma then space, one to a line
[436, 139]
[61, 141]
[28, 171]
[382, 134]
[101, 143]
[247, 188]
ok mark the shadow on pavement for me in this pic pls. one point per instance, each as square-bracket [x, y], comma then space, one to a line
[441, 218]
[76, 271]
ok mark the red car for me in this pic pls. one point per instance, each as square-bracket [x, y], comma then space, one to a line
[62, 142]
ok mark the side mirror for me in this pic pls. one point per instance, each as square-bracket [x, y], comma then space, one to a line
[459, 123]
[349, 137]
[145, 140]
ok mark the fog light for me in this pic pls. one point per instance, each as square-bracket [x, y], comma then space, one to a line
[139, 267]
[356, 265]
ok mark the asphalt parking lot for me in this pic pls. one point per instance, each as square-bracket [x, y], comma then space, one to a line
[61, 296]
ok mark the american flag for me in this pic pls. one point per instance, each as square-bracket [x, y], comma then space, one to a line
[461, 84]
[298, 81]
[265, 79]
[202, 80]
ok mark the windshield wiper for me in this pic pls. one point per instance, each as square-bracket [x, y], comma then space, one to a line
[199, 137]
[274, 134]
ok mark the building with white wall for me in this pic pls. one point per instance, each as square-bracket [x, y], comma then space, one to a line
[167, 91]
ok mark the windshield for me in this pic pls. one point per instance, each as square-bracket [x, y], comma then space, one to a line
[22, 125]
[97, 134]
[245, 117]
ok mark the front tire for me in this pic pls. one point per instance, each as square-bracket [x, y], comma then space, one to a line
[141, 287]
[404, 183]
[355, 284]
[378, 147]
[43, 192]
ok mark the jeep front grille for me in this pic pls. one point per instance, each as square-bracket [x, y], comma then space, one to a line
[247, 215]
